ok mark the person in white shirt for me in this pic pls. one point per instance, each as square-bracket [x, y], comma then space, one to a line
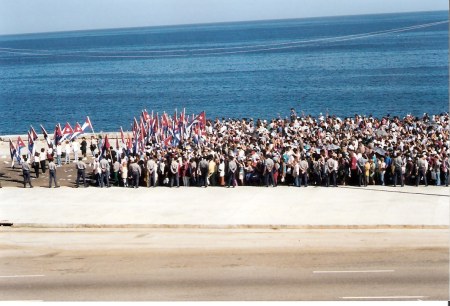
[75, 148]
[67, 149]
[42, 159]
[58, 154]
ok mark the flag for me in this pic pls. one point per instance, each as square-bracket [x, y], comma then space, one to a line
[129, 143]
[135, 127]
[122, 137]
[165, 121]
[57, 134]
[33, 133]
[20, 145]
[200, 119]
[30, 145]
[12, 149]
[87, 123]
[167, 141]
[66, 133]
[117, 142]
[105, 147]
[145, 115]
[47, 139]
[77, 131]
[143, 131]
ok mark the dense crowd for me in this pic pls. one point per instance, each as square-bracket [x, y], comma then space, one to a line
[296, 151]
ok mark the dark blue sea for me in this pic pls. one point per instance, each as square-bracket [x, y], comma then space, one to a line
[368, 64]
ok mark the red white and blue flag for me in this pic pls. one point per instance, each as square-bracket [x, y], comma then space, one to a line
[20, 145]
[87, 123]
[57, 134]
[33, 134]
[66, 132]
[105, 147]
[47, 139]
[12, 150]
[77, 131]
[31, 148]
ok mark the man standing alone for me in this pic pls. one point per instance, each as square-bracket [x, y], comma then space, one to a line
[52, 170]
[26, 173]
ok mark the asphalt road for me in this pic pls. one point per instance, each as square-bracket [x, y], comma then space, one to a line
[202, 264]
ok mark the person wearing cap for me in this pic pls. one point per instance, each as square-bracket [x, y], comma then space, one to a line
[52, 173]
[81, 172]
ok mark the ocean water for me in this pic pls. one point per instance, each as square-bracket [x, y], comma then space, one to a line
[369, 64]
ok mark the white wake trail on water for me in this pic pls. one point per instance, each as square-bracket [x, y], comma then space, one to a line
[220, 50]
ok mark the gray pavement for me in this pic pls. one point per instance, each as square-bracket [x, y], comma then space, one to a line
[258, 207]
[223, 264]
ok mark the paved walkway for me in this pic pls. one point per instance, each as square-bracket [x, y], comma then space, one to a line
[312, 207]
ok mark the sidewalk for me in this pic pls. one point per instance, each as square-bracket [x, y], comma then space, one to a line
[259, 207]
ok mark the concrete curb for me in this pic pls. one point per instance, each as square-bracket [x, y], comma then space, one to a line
[227, 226]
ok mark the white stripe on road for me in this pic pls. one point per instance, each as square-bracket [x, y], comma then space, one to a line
[359, 271]
[11, 276]
[383, 297]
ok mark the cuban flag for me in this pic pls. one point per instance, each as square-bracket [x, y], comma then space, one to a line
[176, 136]
[66, 132]
[122, 137]
[12, 150]
[105, 147]
[57, 134]
[20, 145]
[33, 134]
[145, 115]
[129, 145]
[31, 148]
[200, 119]
[167, 141]
[77, 131]
[87, 123]
[47, 139]
[135, 128]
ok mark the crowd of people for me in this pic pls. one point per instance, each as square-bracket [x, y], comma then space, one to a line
[296, 151]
